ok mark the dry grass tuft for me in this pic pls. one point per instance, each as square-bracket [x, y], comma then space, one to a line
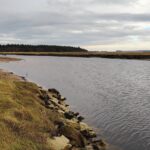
[24, 122]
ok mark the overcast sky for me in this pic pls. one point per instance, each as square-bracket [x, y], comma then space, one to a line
[91, 24]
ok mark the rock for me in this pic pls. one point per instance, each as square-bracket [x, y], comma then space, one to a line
[59, 124]
[80, 118]
[60, 111]
[23, 78]
[67, 105]
[54, 91]
[87, 131]
[77, 114]
[88, 134]
[59, 143]
[62, 103]
[45, 97]
[96, 147]
[101, 143]
[76, 138]
[46, 100]
[89, 147]
[51, 106]
[84, 126]
[62, 98]
[69, 115]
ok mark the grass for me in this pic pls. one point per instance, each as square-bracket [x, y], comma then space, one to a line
[25, 123]
[118, 54]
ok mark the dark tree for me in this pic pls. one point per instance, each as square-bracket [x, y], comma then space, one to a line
[39, 48]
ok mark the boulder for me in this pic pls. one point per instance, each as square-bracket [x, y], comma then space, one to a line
[59, 143]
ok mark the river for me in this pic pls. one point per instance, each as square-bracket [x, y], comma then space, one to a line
[112, 94]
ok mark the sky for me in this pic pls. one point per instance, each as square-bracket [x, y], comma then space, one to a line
[92, 24]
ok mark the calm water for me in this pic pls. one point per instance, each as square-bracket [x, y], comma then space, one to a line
[113, 94]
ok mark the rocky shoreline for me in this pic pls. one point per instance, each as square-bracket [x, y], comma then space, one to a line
[71, 129]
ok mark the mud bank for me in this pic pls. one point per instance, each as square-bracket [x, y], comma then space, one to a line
[8, 59]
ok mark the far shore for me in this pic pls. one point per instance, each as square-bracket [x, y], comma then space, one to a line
[111, 55]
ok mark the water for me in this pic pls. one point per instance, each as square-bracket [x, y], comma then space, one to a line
[113, 94]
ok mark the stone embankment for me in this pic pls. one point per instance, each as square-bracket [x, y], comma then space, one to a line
[72, 133]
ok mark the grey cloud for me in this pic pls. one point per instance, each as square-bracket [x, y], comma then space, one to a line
[59, 24]
[125, 17]
[87, 2]
[63, 29]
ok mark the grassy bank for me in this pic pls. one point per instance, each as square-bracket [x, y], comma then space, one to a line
[121, 55]
[35, 119]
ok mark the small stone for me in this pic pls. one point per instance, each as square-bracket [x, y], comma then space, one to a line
[23, 78]
[59, 124]
[77, 114]
[96, 147]
[102, 143]
[80, 118]
[88, 134]
[69, 115]
[47, 102]
[53, 91]
[89, 147]
[66, 105]
[62, 98]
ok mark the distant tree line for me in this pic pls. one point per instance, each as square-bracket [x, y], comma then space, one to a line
[39, 48]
